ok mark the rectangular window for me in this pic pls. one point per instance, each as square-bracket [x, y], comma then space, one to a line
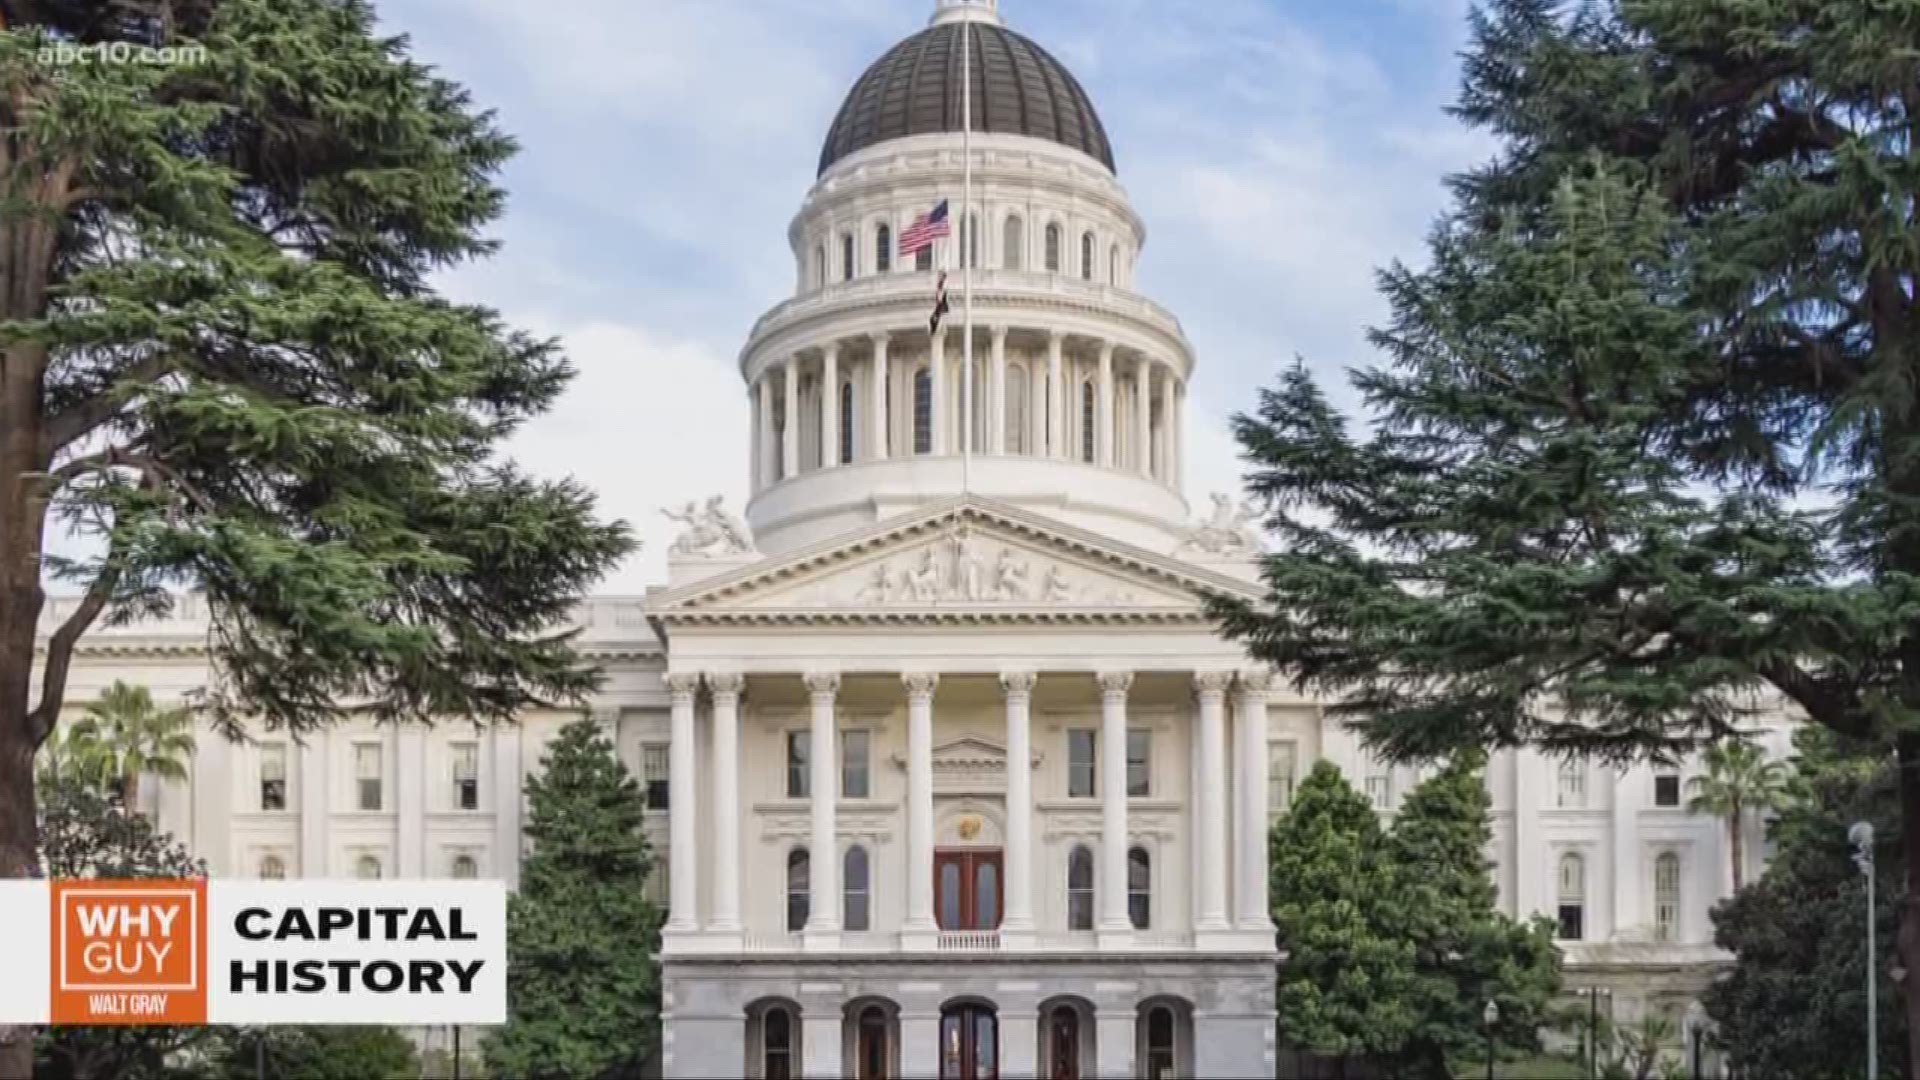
[367, 775]
[799, 765]
[655, 768]
[1080, 763]
[1139, 763]
[1280, 768]
[1572, 792]
[466, 776]
[1666, 788]
[1572, 922]
[273, 776]
[855, 773]
[1380, 790]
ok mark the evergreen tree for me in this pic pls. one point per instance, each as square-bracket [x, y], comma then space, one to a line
[1466, 951]
[583, 989]
[1345, 983]
[311, 1053]
[1650, 438]
[221, 362]
[1794, 1003]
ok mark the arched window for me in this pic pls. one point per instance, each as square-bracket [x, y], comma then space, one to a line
[1113, 265]
[1053, 247]
[464, 868]
[883, 249]
[1140, 888]
[1013, 243]
[1086, 256]
[273, 868]
[367, 869]
[1161, 1055]
[1666, 896]
[799, 890]
[856, 913]
[1080, 888]
[1087, 409]
[923, 412]
[846, 423]
[1017, 416]
[1573, 897]
[846, 257]
[778, 1059]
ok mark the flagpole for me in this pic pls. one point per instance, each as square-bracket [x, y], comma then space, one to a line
[969, 243]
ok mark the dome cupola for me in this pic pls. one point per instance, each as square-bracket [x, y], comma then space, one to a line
[1018, 89]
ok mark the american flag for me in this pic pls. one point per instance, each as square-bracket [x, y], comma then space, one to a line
[925, 230]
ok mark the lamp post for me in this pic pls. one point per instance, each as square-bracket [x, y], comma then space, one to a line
[1593, 994]
[1861, 836]
[1491, 1014]
[1696, 1024]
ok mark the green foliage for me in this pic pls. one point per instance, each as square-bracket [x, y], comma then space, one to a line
[86, 832]
[583, 991]
[124, 736]
[1344, 983]
[1798, 932]
[1466, 951]
[312, 1053]
[1739, 779]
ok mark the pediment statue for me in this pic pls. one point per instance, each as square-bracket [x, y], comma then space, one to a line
[1228, 532]
[710, 532]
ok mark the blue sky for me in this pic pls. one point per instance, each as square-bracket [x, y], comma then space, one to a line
[1279, 151]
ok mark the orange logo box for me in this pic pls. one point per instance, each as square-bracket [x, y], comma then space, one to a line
[129, 952]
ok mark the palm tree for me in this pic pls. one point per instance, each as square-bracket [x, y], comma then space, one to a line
[1739, 778]
[136, 737]
[75, 753]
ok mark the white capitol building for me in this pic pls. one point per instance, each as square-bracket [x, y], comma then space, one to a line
[955, 777]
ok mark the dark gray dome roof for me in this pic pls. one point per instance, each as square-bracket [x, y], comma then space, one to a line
[1018, 89]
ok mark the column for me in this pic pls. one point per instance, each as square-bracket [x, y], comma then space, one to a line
[507, 799]
[1114, 921]
[1531, 892]
[1103, 412]
[315, 801]
[1018, 922]
[1056, 399]
[1251, 726]
[768, 450]
[409, 801]
[937, 377]
[753, 421]
[1626, 846]
[1176, 433]
[876, 449]
[997, 394]
[1143, 417]
[209, 809]
[919, 927]
[790, 445]
[830, 406]
[823, 920]
[1211, 687]
[683, 839]
[1037, 411]
[725, 902]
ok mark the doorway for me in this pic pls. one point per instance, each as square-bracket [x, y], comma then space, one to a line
[968, 887]
[1063, 1043]
[969, 1043]
[872, 1053]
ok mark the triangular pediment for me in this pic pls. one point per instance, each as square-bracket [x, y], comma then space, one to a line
[969, 557]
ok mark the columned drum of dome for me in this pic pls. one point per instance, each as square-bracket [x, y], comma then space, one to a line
[1018, 89]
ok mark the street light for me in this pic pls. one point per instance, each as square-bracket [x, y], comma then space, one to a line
[1593, 994]
[1696, 1024]
[1491, 1014]
[1861, 836]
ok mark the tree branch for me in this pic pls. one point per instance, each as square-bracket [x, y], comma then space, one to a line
[77, 422]
[1822, 704]
[53, 678]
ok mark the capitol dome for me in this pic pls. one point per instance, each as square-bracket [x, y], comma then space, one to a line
[1018, 89]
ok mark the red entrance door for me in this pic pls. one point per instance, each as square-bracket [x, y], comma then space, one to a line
[968, 887]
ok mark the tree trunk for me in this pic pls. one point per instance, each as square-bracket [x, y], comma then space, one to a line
[1908, 750]
[19, 835]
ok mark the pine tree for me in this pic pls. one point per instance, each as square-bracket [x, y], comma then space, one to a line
[583, 990]
[1344, 984]
[223, 366]
[1649, 439]
[1466, 951]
